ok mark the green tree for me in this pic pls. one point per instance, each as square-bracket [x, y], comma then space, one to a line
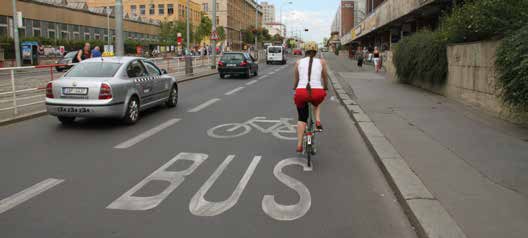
[204, 29]
[221, 33]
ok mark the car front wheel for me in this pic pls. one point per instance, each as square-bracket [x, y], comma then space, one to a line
[132, 111]
[173, 97]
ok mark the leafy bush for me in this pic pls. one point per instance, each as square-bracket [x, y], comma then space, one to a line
[479, 20]
[512, 66]
[421, 57]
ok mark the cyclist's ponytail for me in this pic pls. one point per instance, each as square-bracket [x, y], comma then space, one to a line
[312, 55]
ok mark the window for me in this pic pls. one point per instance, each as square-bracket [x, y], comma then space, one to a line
[94, 69]
[135, 69]
[217, 20]
[142, 9]
[3, 20]
[97, 36]
[21, 33]
[86, 36]
[152, 9]
[170, 9]
[65, 35]
[3, 31]
[76, 36]
[51, 34]
[51, 26]
[152, 69]
[133, 10]
[205, 7]
[64, 27]
[161, 9]
[36, 32]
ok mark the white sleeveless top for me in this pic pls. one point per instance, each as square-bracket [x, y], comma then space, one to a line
[317, 69]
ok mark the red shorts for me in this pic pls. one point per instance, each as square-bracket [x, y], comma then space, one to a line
[302, 96]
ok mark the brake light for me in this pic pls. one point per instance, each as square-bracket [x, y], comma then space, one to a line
[309, 133]
[220, 63]
[244, 63]
[105, 92]
[49, 90]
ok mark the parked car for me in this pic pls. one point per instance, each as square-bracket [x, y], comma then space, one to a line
[237, 63]
[110, 87]
[66, 61]
[276, 54]
[297, 52]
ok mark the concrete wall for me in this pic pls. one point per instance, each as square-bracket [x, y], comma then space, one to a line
[471, 79]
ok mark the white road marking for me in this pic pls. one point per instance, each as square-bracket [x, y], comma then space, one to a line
[234, 91]
[28, 193]
[288, 212]
[251, 82]
[146, 134]
[263, 77]
[204, 105]
[201, 207]
[333, 98]
[270, 73]
[175, 178]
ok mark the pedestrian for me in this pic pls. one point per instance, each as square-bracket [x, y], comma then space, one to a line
[96, 52]
[377, 59]
[360, 57]
[83, 53]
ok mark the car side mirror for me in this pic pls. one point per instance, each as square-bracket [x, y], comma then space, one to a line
[163, 71]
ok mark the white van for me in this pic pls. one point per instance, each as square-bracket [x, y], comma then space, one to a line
[275, 54]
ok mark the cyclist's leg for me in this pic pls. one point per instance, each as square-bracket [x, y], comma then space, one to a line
[318, 96]
[301, 99]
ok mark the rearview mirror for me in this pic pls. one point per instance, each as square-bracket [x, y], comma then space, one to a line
[163, 71]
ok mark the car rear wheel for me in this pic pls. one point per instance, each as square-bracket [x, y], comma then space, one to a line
[59, 69]
[256, 72]
[173, 97]
[222, 76]
[248, 73]
[132, 111]
[66, 120]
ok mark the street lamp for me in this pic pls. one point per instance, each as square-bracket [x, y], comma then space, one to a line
[284, 3]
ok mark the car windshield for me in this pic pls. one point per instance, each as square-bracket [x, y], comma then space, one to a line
[70, 54]
[94, 70]
[274, 49]
[227, 57]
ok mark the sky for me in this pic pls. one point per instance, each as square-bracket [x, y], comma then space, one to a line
[316, 15]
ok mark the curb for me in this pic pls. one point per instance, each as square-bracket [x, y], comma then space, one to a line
[425, 212]
[44, 112]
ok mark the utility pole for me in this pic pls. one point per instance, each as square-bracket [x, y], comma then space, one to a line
[108, 35]
[188, 25]
[120, 46]
[213, 42]
[15, 35]
[256, 27]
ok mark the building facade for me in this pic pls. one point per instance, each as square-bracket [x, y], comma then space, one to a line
[69, 22]
[162, 10]
[268, 11]
[234, 16]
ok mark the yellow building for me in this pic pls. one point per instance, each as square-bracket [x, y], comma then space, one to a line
[163, 10]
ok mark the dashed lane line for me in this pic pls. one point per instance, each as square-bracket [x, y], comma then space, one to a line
[251, 82]
[234, 91]
[28, 193]
[141, 137]
[204, 105]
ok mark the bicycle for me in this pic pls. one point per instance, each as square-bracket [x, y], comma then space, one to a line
[309, 136]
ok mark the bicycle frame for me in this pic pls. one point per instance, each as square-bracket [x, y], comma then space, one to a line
[309, 135]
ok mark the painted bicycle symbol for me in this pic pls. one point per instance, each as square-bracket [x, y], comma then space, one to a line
[281, 128]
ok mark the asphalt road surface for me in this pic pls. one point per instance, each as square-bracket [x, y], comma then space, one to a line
[222, 164]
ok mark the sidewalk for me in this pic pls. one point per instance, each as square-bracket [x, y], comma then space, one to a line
[475, 165]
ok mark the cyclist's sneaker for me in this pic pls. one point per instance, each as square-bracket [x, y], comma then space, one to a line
[299, 149]
[318, 126]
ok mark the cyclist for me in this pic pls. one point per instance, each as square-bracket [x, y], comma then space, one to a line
[310, 87]
[84, 53]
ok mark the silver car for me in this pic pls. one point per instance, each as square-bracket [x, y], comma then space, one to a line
[114, 87]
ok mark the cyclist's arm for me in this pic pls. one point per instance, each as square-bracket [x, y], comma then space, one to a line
[79, 56]
[324, 74]
[296, 80]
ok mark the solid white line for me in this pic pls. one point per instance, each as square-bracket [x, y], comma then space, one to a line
[251, 82]
[234, 91]
[270, 73]
[28, 193]
[204, 105]
[262, 77]
[146, 134]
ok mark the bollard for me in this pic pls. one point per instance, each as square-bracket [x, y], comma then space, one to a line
[188, 65]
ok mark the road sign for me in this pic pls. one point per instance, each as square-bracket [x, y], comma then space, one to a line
[214, 35]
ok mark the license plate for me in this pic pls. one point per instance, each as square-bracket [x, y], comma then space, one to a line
[231, 65]
[74, 91]
[73, 109]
